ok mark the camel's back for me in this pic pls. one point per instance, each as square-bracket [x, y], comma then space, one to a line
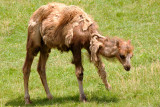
[57, 21]
[46, 11]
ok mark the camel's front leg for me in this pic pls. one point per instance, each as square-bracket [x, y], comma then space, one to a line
[79, 71]
[102, 73]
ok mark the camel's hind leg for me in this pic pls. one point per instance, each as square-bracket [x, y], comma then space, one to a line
[44, 53]
[33, 46]
[26, 72]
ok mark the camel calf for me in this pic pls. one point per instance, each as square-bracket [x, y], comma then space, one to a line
[69, 28]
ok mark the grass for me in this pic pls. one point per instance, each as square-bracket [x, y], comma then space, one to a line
[137, 20]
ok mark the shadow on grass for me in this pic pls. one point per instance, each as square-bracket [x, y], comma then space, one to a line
[61, 100]
[104, 99]
[42, 101]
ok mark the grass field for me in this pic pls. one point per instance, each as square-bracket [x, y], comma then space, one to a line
[137, 20]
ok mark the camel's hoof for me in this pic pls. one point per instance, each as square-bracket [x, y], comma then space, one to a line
[108, 87]
[83, 98]
[28, 101]
[50, 97]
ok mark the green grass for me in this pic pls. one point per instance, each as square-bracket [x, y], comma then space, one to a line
[137, 20]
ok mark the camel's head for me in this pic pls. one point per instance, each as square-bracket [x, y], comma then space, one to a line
[125, 53]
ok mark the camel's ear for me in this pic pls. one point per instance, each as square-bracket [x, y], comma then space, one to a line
[94, 47]
[117, 43]
[129, 41]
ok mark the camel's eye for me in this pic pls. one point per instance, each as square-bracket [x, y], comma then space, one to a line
[122, 56]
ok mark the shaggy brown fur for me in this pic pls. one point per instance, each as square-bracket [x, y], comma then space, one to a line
[69, 28]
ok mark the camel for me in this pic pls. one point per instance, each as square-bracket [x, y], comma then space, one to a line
[69, 28]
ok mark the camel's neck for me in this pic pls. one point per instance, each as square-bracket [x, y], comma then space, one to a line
[109, 48]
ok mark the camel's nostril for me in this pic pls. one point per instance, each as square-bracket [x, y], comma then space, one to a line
[127, 68]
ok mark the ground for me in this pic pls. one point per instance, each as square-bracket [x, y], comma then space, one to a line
[137, 20]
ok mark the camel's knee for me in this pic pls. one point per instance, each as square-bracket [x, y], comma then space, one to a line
[102, 74]
[79, 73]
